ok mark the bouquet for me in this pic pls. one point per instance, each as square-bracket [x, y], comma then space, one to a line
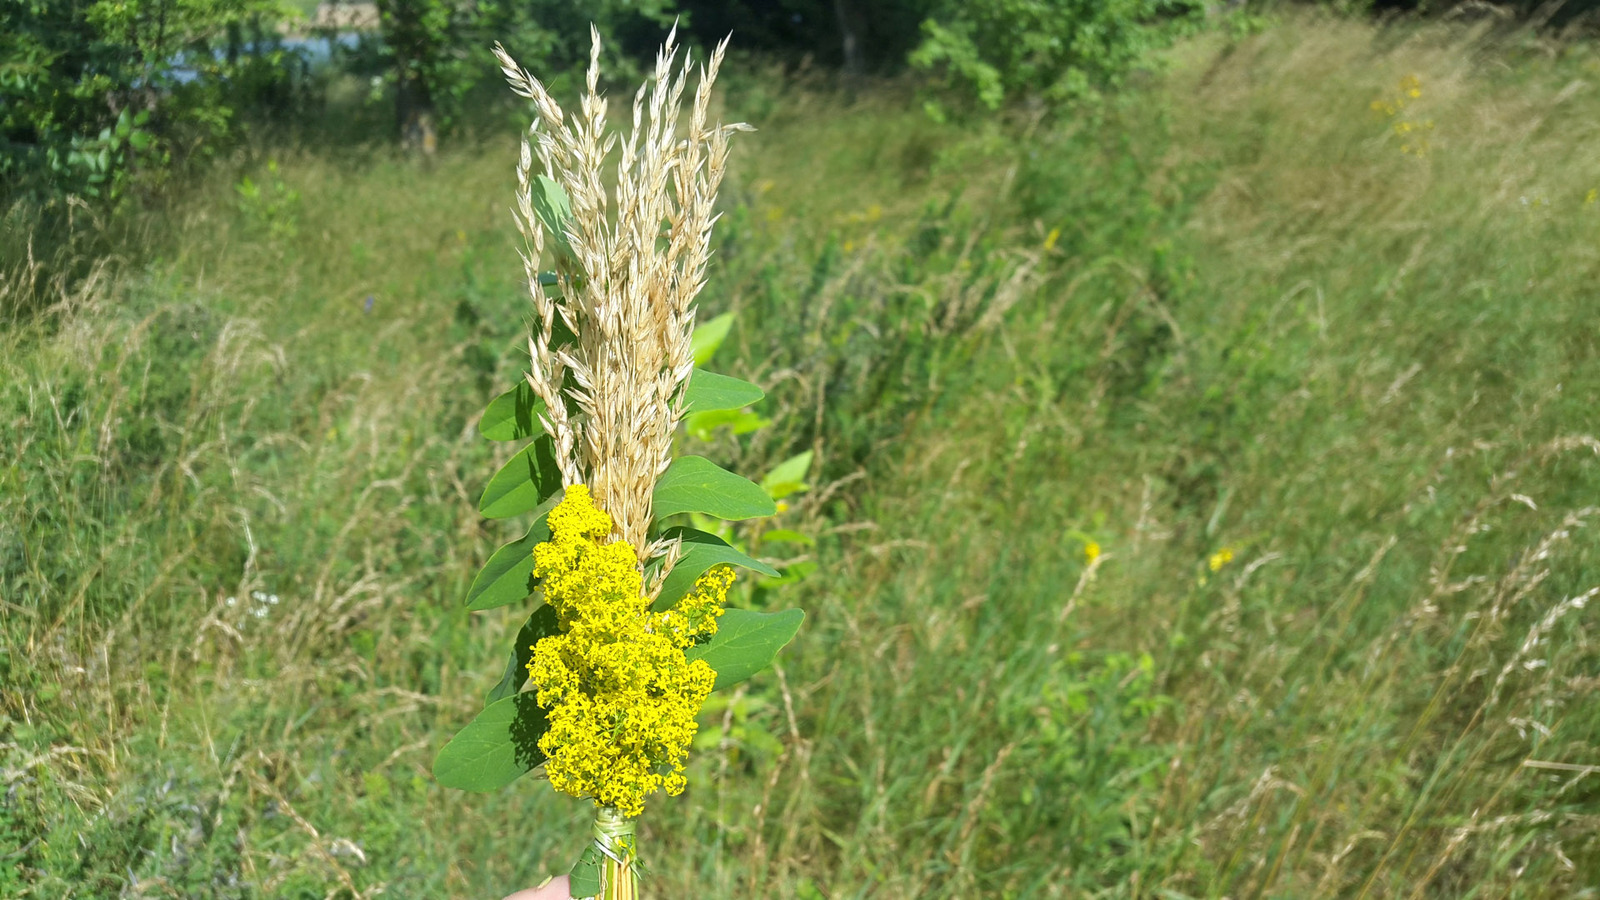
[627, 632]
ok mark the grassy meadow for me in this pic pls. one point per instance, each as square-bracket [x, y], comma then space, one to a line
[1206, 503]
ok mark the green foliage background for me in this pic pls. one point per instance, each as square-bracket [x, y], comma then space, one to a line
[90, 91]
[239, 466]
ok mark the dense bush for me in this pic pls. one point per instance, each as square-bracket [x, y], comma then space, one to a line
[1055, 49]
[91, 92]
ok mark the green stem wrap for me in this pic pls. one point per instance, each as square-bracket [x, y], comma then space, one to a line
[613, 837]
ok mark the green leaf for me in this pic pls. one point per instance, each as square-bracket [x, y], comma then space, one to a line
[788, 476]
[696, 484]
[550, 203]
[701, 551]
[787, 536]
[542, 623]
[584, 881]
[708, 392]
[513, 415]
[701, 424]
[524, 482]
[500, 746]
[745, 643]
[709, 336]
[508, 575]
[791, 574]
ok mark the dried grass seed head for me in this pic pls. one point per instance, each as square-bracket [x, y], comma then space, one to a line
[628, 266]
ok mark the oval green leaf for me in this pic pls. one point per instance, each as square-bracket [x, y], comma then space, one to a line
[524, 482]
[508, 575]
[743, 421]
[745, 643]
[500, 746]
[696, 484]
[709, 392]
[554, 210]
[701, 551]
[788, 476]
[541, 624]
[584, 880]
[513, 415]
[787, 536]
[708, 337]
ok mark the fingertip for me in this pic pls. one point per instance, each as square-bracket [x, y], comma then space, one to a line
[556, 888]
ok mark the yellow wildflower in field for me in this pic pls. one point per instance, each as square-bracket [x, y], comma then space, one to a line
[1219, 559]
[1408, 89]
[620, 695]
[1592, 196]
[1091, 552]
[1051, 238]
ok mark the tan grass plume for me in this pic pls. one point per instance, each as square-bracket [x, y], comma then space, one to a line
[626, 290]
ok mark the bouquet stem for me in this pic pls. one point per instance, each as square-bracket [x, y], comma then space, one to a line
[613, 835]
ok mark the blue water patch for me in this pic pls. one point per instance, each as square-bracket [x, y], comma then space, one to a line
[314, 51]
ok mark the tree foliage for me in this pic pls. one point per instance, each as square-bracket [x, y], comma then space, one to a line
[1054, 49]
[93, 89]
[437, 51]
[93, 92]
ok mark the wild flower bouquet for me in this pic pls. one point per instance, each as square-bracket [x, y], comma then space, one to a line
[628, 634]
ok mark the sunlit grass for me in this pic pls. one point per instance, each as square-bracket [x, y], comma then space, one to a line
[1259, 327]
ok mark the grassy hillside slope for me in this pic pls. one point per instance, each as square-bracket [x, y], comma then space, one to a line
[1206, 493]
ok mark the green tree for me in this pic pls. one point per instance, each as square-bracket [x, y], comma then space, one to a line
[91, 90]
[437, 51]
[1055, 49]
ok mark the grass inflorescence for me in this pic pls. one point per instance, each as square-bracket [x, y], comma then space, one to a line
[1322, 409]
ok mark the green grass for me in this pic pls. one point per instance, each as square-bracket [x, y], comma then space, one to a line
[1259, 326]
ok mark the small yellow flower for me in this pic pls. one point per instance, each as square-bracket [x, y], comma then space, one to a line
[1051, 238]
[1592, 196]
[1411, 86]
[783, 506]
[620, 695]
[1091, 552]
[1219, 559]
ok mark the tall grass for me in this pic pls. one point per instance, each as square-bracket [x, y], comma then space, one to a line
[1227, 312]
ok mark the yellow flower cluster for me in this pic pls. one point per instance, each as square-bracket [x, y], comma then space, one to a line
[620, 695]
[1409, 88]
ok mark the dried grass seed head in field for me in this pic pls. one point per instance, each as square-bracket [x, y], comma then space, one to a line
[627, 270]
